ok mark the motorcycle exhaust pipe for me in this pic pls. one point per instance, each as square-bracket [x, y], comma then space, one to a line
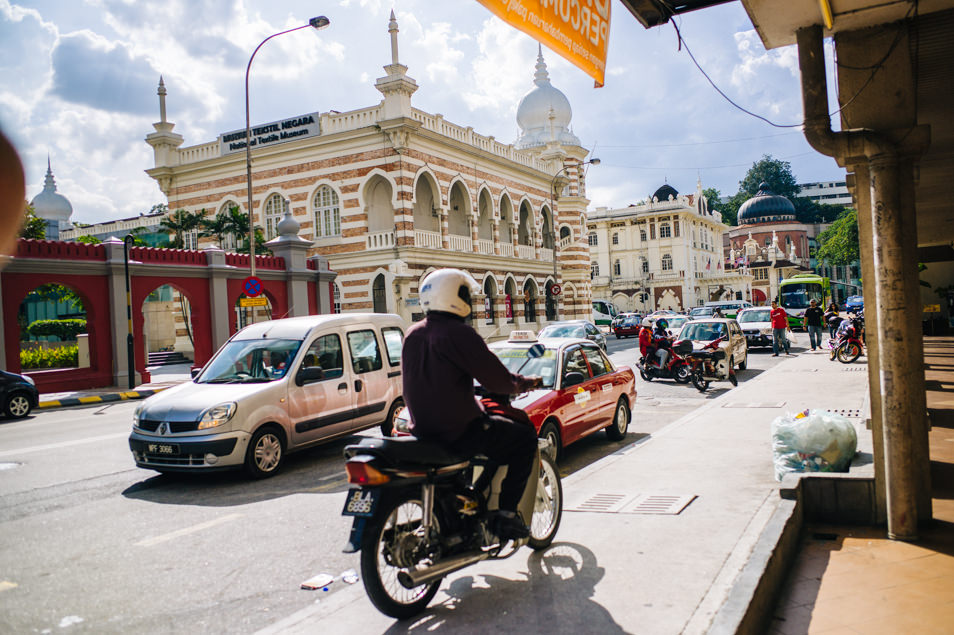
[417, 577]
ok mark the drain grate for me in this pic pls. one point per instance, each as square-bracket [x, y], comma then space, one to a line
[754, 404]
[632, 504]
[847, 412]
[856, 368]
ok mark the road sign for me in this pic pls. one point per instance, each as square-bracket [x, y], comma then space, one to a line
[555, 289]
[252, 287]
[253, 302]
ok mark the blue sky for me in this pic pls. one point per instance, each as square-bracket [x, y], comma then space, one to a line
[78, 82]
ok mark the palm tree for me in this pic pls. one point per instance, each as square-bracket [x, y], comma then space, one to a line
[216, 227]
[181, 222]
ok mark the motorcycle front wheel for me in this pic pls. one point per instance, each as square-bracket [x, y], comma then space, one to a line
[394, 542]
[848, 352]
[701, 384]
[547, 506]
[682, 374]
[646, 375]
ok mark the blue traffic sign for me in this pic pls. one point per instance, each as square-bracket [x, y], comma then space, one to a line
[252, 286]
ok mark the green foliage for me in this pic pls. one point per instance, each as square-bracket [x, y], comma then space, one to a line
[180, 222]
[839, 243]
[63, 329]
[775, 172]
[61, 357]
[88, 240]
[59, 293]
[34, 227]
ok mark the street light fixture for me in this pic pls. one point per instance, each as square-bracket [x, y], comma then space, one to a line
[553, 225]
[316, 23]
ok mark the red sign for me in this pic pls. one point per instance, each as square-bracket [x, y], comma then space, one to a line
[252, 286]
[555, 289]
[508, 304]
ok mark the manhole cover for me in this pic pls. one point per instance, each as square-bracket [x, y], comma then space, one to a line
[754, 404]
[659, 504]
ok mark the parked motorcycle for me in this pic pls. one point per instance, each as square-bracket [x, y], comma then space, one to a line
[848, 343]
[421, 513]
[707, 364]
[676, 368]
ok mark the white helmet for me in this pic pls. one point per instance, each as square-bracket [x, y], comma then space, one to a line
[448, 290]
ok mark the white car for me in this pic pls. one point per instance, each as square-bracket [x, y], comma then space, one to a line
[756, 323]
[703, 331]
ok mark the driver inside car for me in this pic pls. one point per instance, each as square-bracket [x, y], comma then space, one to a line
[441, 358]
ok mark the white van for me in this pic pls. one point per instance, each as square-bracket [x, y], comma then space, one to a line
[276, 387]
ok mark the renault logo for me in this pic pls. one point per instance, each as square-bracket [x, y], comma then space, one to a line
[163, 428]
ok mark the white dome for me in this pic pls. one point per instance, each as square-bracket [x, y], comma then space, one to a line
[49, 205]
[544, 113]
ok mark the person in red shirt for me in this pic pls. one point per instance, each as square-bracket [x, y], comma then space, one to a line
[645, 340]
[779, 325]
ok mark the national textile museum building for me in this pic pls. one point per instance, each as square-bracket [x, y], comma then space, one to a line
[389, 192]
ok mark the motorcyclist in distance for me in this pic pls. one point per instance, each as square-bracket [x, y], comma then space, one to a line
[441, 357]
[661, 342]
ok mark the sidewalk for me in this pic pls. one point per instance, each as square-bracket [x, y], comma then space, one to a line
[627, 566]
[162, 377]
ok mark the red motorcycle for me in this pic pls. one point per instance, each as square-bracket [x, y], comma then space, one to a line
[676, 368]
[848, 343]
[707, 364]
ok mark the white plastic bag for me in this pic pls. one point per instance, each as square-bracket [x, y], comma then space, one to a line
[790, 337]
[812, 441]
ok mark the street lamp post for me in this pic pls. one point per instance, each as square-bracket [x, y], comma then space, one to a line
[316, 23]
[553, 224]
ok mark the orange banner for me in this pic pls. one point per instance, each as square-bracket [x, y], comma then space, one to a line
[578, 30]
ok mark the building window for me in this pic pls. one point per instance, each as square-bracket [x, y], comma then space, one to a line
[642, 235]
[667, 263]
[615, 238]
[337, 298]
[327, 213]
[594, 269]
[664, 231]
[274, 208]
[675, 227]
[190, 239]
[652, 231]
[617, 268]
[645, 265]
[591, 239]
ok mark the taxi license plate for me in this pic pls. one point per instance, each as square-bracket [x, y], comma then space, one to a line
[361, 502]
[163, 449]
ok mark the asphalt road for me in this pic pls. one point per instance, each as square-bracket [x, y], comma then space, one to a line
[94, 544]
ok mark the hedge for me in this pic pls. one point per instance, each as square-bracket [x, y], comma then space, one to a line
[62, 357]
[63, 329]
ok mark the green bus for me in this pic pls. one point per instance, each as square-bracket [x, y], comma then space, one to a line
[603, 312]
[795, 294]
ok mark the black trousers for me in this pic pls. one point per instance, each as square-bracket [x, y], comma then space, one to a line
[506, 442]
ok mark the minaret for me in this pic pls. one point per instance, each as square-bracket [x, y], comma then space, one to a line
[396, 86]
[164, 143]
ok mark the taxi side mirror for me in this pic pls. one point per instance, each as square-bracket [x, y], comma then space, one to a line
[309, 375]
[572, 379]
[195, 372]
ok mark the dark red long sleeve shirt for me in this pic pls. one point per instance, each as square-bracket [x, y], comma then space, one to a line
[439, 362]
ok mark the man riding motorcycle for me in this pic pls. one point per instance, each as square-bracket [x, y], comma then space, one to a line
[662, 342]
[442, 356]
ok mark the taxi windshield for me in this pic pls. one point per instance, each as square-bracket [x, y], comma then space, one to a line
[515, 359]
[563, 330]
[250, 361]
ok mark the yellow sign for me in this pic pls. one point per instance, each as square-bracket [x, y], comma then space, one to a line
[932, 308]
[253, 301]
[576, 29]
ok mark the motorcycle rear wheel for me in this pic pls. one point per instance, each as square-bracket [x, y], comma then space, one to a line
[393, 542]
[682, 374]
[701, 384]
[848, 352]
[547, 506]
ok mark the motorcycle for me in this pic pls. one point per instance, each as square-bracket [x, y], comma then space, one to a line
[848, 343]
[421, 513]
[707, 364]
[676, 368]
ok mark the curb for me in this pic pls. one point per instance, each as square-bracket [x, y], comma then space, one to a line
[94, 399]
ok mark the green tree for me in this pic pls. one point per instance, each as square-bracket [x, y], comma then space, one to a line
[839, 243]
[137, 233]
[179, 223]
[88, 240]
[775, 172]
[33, 226]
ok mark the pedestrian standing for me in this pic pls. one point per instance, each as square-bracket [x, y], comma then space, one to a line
[831, 319]
[813, 323]
[779, 324]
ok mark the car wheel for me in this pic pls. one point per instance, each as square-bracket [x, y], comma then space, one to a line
[18, 405]
[616, 431]
[265, 452]
[550, 432]
[387, 426]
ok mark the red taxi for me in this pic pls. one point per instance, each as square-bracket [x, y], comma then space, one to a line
[582, 392]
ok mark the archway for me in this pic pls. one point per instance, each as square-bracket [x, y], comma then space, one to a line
[485, 221]
[506, 220]
[379, 298]
[458, 219]
[547, 229]
[490, 292]
[378, 196]
[550, 301]
[530, 301]
[167, 331]
[758, 297]
[52, 333]
[427, 209]
[525, 225]
[510, 297]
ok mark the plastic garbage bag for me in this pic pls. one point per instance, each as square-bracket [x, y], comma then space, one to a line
[812, 441]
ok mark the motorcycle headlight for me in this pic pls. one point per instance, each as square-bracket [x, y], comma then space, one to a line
[217, 415]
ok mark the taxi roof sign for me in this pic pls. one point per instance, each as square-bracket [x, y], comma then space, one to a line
[522, 336]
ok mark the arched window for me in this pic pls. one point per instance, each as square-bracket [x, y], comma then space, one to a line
[222, 226]
[615, 238]
[379, 297]
[594, 269]
[274, 208]
[564, 233]
[617, 268]
[327, 212]
[591, 239]
[664, 231]
[667, 262]
[337, 299]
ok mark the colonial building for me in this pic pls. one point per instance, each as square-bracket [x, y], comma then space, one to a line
[663, 253]
[768, 242]
[389, 192]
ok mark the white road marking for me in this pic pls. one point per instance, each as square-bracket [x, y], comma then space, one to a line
[155, 540]
[63, 444]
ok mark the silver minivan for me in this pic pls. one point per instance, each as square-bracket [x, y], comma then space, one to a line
[276, 387]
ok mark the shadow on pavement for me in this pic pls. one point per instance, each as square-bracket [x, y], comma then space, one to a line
[556, 597]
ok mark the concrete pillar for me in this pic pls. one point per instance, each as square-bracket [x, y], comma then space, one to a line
[221, 312]
[116, 274]
[294, 251]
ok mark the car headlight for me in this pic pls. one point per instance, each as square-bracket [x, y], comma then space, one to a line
[29, 380]
[137, 413]
[766, 331]
[216, 415]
